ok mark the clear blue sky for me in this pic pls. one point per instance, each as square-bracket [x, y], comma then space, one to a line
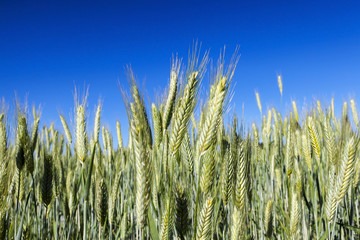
[46, 48]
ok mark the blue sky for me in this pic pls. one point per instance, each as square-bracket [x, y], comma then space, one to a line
[47, 48]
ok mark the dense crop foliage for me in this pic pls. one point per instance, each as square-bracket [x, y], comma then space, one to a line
[182, 177]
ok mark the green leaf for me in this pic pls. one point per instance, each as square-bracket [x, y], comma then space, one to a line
[153, 230]
[352, 228]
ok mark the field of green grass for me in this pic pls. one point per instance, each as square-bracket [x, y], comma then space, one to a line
[181, 176]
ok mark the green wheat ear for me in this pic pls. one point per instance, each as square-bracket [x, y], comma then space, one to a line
[157, 122]
[183, 113]
[66, 129]
[241, 178]
[314, 137]
[268, 219]
[28, 154]
[295, 214]
[166, 223]
[170, 101]
[97, 124]
[187, 154]
[139, 111]
[47, 179]
[209, 129]
[81, 146]
[102, 202]
[208, 172]
[5, 179]
[228, 176]
[354, 112]
[142, 168]
[289, 152]
[343, 178]
[114, 197]
[306, 147]
[258, 101]
[119, 136]
[182, 213]
[20, 140]
[237, 224]
[3, 138]
[205, 220]
[34, 135]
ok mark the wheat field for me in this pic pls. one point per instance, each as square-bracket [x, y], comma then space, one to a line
[185, 173]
